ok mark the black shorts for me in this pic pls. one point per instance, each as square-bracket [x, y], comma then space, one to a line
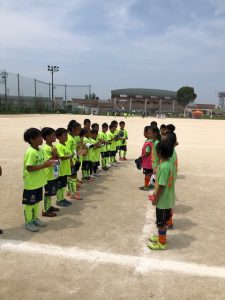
[86, 165]
[31, 197]
[112, 153]
[62, 182]
[148, 171]
[51, 187]
[162, 216]
[123, 148]
[105, 154]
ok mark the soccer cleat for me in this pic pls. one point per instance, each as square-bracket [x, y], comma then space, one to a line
[144, 188]
[49, 214]
[151, 187]
[121, 158]
[68, 193]
[31, 227]
[67, 202]
[76, 196]
[124, 158]
[169, 226]
[154, 239]
[157, 246]
[54, 209]
[105, 168]
[39, 223]
[1, 231]
[97, 175]
[62, 203]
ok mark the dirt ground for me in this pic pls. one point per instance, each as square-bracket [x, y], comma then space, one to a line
[101, 241]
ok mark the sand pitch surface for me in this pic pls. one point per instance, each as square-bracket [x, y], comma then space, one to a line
[96, 249]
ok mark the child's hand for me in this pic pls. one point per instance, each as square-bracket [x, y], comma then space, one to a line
[49, 163]
[54, 152]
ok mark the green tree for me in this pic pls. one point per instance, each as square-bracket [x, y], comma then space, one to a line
[186, 95]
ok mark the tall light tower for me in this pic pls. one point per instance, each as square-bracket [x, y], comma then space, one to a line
[53, 69]
[4, 76]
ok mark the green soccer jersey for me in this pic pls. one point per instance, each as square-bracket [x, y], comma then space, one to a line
[48, 155]
[166, 177]
[124, 135]
[174, 161]
[36, 179]
[155, 160]
[93, 152]
[72, 143]
[113, 144]
[103, 136]
[65, 166]
[87, 142]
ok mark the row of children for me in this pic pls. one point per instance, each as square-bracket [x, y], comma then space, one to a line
[159, 163]
[54, 167]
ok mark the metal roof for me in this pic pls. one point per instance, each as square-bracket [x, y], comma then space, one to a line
[133, 92]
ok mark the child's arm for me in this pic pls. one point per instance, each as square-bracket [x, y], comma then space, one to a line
[47, 164]
[67, 156]
[160, 190]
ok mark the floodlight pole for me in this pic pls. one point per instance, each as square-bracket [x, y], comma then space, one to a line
[53, 69]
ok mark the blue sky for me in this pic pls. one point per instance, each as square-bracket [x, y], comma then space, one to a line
[161, 44]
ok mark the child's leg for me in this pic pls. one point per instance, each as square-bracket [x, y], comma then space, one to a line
[169, 222]
[73, 185]
[147, 180]
[159, 242]
[29, 213]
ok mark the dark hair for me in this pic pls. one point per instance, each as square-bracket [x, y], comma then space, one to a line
[147, 128]
[86, 121]
[154, 124]
[60, 131]
[164, 149]
[31, 133]
[156, 130]
[93, 131]
[112, 125]
[46, 131]
[171, 127]
[72, 125]
[171, 138]
[104, 125]
[94, 125]
[122, 123]
[163, 126]
[82, 132]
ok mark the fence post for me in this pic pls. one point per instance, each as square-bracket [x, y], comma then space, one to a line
[49, 87]
[65, 96]
[35, 88]
[18, 85]
[89, 89]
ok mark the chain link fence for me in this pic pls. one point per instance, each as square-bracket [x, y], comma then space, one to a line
[19, 93]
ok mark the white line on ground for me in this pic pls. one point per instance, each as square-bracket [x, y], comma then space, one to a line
[139, 264]
[148, 229]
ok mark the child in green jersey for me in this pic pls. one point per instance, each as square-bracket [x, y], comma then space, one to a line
[73, 142]
[117, 140]
[123, 137]
[87, 163]
[111, 136]
[164, 196]
[52, 173]
[103, 142]
[35, 178]
[94, 152]
[65, 166]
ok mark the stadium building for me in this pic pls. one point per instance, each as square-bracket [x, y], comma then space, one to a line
[148, 101]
